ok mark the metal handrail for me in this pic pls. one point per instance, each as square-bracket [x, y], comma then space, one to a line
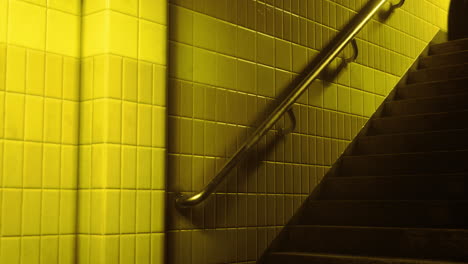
[329, 54]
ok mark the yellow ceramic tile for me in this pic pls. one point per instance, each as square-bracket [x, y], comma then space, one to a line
[84, 205]
[49, 249]
[145, 82]
[152, 42]
[356, 102]
[114, 127]
[181, 55]
[144, 125]
[12, 163]
[111, 249]
[344, 99]
[265, 50]
[155, 10]
[157, 210]
[226, 72]
[130, 80]
[92, 6]
[265, 81]
[32, 177]
[31, 245]
[35, 72]
[99, 125]
[26, 25]
[70, 119]
[143, 168]
[98, 172]
[125, 6]
[246, 39]
[11, 213]
[181, 23]
[129, 166]
[54, 76]
[95, 33]
[143, 250]
[67, 249]
[14, 116]
[330, 96]
[71, 81]
[123, 35]
[114, 77]
[99, 77]
[34, 118]
[2, 115]
[15, 69]
[97, 212]
[69, 167]
[52, 120]
[226, 39]
[127, 248]
[129, 123]
[283, 53]
[10, 250]
[31, 212]
[3, 20]
[204, 31]
[246, 76]
[112, 211]
[112, 163]
[127, 217]
[51, 166]
[368, 104]
[63, 32]
[157, 248]
[204, 66]
[143, 215]
[159, 127]
[70, 6]
[67, 211]
[158, 169]
[159, 85]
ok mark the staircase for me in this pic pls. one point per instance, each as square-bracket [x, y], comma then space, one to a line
[402, 196]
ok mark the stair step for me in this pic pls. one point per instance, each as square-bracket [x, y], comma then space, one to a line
[432, 89]
[435, 244]
[412, 142]
[386, 213]
[423, 105]
[307, 258]
[405, 163]
[402, 187]
[438, 74]
[449, 47]
[446, 59]
[419, 123]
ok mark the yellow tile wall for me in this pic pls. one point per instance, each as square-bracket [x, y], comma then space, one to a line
[122, 132]
[228, 61]
[39, 107]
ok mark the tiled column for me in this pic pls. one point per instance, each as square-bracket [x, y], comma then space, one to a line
[122, 132]
[39, 87]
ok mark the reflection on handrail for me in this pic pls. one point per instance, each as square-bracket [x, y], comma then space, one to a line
[323, 60]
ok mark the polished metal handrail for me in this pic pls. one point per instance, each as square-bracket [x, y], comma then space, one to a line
[326, 57]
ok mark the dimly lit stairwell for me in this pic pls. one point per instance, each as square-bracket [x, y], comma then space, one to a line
[400, 194]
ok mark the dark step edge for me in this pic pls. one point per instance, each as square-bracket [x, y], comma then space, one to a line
[365, 258]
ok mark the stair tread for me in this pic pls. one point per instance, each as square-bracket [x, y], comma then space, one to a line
[366, 259]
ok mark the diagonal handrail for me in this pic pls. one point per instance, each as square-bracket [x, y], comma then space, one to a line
[325, 58]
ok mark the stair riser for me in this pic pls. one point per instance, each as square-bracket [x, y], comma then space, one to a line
[449, 47]
[433, 89]
[444, 162]
[406, 143]
[438, 74]
[420, 123]
[443, 60]
[386, 214]
[337, 259]
[397, 108]
[441, 187]
[408, 243]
